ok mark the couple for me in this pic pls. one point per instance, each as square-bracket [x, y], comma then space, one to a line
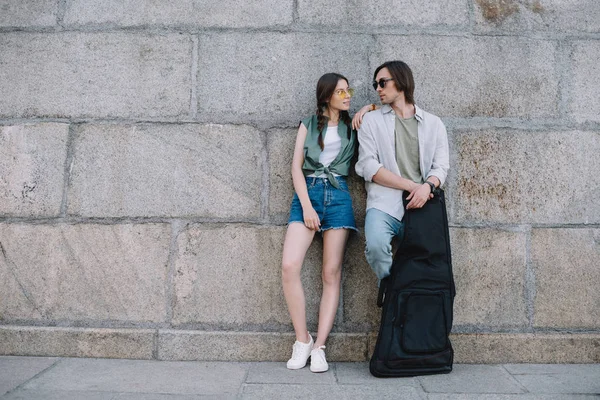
[401, 148]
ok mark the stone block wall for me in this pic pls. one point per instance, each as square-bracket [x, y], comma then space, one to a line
[145, 153]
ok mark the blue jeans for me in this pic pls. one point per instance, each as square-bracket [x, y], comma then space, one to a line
[380, 229]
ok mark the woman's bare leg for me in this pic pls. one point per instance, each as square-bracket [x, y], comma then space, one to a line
[297, 240]
[334, 244]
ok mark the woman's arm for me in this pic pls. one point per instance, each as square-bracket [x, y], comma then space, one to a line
[311, 219]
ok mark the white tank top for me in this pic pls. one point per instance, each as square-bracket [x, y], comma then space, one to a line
[332, 144]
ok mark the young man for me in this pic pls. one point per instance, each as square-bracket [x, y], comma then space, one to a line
[401, 148]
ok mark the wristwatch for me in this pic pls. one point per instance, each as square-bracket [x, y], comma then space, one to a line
[431, 186]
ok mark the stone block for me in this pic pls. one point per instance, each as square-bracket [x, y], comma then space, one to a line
[166, 170]
[359, 284]
[250, 346]
[273, 373]
[27, 14]
[230, 275]
[489, 274]
[477, 76]
[565, 264]
[537, 15]
[32, 169]
[299, 391]
[77, 342]
[497, 348]
[274, 77]
[398, 14]
[98, 75]
[512, 176]
[186, 13]
[585, 104]
[83, 272]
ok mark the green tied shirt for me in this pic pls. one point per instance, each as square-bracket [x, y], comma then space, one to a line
[341, 164]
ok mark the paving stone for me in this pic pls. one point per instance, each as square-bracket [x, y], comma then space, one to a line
[102, 75]
[358, 374]
[480, 379]
[84, 271]
[553, 383]
[493, 171]
[287, 391]
[142, 377]
[546, 16]
[399, 13]
[477, 76]
[526, 348]
[32, 164]
[59, 395]
[585, 105]
[17, 370]
[489, 274]
[77, 342]
[211, 257]
[484, 396]
[560, 253]
[166, 170]
[274, 77]
[278, 373]
[192, 13]
[24, 14]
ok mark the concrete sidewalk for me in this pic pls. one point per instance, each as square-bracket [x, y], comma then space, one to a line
[45, 378]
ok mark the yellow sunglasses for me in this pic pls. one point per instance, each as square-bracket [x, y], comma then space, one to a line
[345, 93]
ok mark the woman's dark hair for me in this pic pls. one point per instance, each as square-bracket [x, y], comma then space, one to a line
[402, 76]
[325, 88]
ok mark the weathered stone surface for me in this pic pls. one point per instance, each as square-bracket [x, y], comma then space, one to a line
[193, 13]
[32, 164]
[250, 346]
[94, 75]
[210, 258]
[83, 272]
[489, 274]
[360, 288]
[548, 378]
[77, 342]
[274, 76]
[398, 13]
[493, 171]
[295, 391]
[166, 170]
[585, 104]
[526, 348]
[565, 263]
[537, 15]
[477, 77]
[19, 13]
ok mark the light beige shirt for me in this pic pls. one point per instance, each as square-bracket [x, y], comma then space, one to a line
[376, 149]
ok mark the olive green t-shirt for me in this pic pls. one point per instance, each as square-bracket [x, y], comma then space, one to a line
[407, 148]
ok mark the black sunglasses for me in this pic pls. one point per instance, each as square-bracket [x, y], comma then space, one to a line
[381, 82]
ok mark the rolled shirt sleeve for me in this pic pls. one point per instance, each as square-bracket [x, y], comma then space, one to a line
[441, 157]
[368, 159]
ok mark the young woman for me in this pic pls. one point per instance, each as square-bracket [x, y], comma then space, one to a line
[324, 149]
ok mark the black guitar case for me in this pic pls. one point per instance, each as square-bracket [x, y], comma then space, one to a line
[417, 298]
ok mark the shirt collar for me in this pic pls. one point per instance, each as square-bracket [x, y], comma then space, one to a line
[386, 108]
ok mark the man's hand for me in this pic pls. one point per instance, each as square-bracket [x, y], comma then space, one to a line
[311, 219]
[357, 120]
[419, 196]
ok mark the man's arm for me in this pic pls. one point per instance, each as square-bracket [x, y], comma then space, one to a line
[368, 165]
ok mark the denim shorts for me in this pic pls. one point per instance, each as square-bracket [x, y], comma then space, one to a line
[333, 206]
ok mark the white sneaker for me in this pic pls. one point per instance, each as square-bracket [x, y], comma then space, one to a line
[300, 354]
[318, 363]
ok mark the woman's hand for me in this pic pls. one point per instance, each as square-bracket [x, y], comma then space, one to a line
[357, 120]
[311, 219]
[419, 196]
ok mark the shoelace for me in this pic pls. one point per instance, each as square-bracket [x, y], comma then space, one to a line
[296, 350]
